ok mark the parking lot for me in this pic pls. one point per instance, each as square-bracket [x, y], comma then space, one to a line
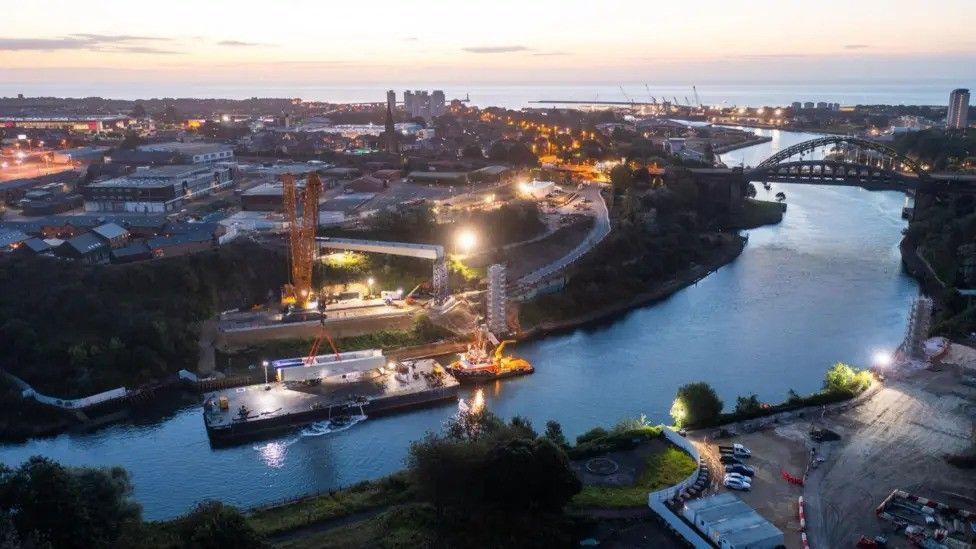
[773, 451]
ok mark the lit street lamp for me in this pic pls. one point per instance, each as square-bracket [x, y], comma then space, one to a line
[264, 364]
[466, 240]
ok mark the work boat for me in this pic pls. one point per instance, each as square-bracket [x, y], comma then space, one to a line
[484, 361]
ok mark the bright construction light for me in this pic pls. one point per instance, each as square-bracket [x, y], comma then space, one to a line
[370, 281]
[882, 359]
[21, 155]
[466, 240]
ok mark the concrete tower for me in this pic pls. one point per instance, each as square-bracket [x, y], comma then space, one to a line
[497, 301]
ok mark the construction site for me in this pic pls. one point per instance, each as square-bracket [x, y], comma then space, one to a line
[883, 469]
[333, 384]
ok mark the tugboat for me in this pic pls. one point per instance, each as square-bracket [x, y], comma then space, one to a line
[480, 363]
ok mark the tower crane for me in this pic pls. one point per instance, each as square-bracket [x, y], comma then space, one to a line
[301, 238]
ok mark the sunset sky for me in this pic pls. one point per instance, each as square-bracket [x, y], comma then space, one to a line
[377, 41]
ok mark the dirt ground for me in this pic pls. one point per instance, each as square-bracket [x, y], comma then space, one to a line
[895, 439]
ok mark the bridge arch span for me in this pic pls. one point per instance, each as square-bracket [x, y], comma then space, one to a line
[784, 155]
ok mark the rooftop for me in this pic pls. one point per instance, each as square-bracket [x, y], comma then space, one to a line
[110, 231]
[84, 243]
[191, 148]
[159, 176]
[10, 237]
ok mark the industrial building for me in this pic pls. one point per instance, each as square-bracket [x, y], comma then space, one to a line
[79, 154]
[730, 523]
[193, 153]
[155, 190]
[79, 124]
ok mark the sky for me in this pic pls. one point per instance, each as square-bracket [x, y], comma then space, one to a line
[503, 41]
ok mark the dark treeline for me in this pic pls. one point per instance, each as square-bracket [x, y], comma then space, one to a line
[71, 329]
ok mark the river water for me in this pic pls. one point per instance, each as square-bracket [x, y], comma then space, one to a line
[824, 285]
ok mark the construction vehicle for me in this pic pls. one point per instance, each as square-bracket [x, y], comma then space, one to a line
[297, 293]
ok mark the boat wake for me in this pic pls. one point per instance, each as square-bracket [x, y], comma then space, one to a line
[320, 428]
[317, 429]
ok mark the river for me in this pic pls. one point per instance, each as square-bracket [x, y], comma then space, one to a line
[824, 285]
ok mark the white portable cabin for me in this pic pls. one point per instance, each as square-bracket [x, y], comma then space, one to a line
[350, 365]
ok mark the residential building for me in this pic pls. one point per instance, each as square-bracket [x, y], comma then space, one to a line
[155, 190]
[193, 152]
[181, 244]
[422, 104]
[808, 105]
[796, 105]
[958, 117]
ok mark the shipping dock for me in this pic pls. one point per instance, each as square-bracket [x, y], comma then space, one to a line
[336, 386]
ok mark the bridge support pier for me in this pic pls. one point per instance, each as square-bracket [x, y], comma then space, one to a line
[439, 281]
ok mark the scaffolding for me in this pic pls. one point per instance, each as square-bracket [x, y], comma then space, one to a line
[496, 301]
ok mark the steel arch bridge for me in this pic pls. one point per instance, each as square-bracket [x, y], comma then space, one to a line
[901, 172]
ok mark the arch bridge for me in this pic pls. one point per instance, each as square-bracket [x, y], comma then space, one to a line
[861, 162]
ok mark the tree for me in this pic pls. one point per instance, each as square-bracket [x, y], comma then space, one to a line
[68, 507]
[843, 379]
[131, 141]
[554, 432]
[695, 404]
[472, 151]
[621, 177]
[747, 405]
[213, 525]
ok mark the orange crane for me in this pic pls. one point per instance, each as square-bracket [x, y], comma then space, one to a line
[301, 238]
[323, 334]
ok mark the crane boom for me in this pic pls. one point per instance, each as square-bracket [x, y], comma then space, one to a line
[627, 97]
[697, 99]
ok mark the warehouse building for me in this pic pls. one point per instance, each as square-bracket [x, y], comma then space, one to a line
[193, 153]
[156, 190]
[730, 523]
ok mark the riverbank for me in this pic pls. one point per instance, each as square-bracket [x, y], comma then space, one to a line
[724, 254]
[758, 140]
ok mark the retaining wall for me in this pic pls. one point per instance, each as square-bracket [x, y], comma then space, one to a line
[655, 500]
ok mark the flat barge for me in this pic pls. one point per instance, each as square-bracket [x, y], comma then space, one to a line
[245, 413]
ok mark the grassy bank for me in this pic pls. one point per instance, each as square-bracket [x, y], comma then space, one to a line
[662, 469]
[364, 496]
[756, 213]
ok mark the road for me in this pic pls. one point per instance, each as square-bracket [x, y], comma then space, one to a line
[601, 228]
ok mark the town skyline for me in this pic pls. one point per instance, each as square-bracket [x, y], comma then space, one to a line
[55, 42]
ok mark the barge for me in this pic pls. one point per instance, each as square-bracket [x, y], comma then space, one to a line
[244, 413]
[480, 363]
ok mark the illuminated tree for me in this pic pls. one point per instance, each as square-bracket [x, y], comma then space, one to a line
[695, 404]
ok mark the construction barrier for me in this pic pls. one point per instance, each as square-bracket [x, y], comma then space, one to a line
[790, 478]
[803, 518]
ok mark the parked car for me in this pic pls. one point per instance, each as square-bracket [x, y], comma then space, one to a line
[740, 469]
[734, 484]
[736, 450]
[740, 478]
[730, 460]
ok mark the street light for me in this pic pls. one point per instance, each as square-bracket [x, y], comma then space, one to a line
[264, 364]
[882, 359]
[466, 240]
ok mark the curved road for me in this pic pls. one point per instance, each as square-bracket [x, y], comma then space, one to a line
[601, 228]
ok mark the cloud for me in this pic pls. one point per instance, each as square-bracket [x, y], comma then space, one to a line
[550, 54]
[855, 46]
[494, 49]
[774, 56]
[117, 43]
[239, 43]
